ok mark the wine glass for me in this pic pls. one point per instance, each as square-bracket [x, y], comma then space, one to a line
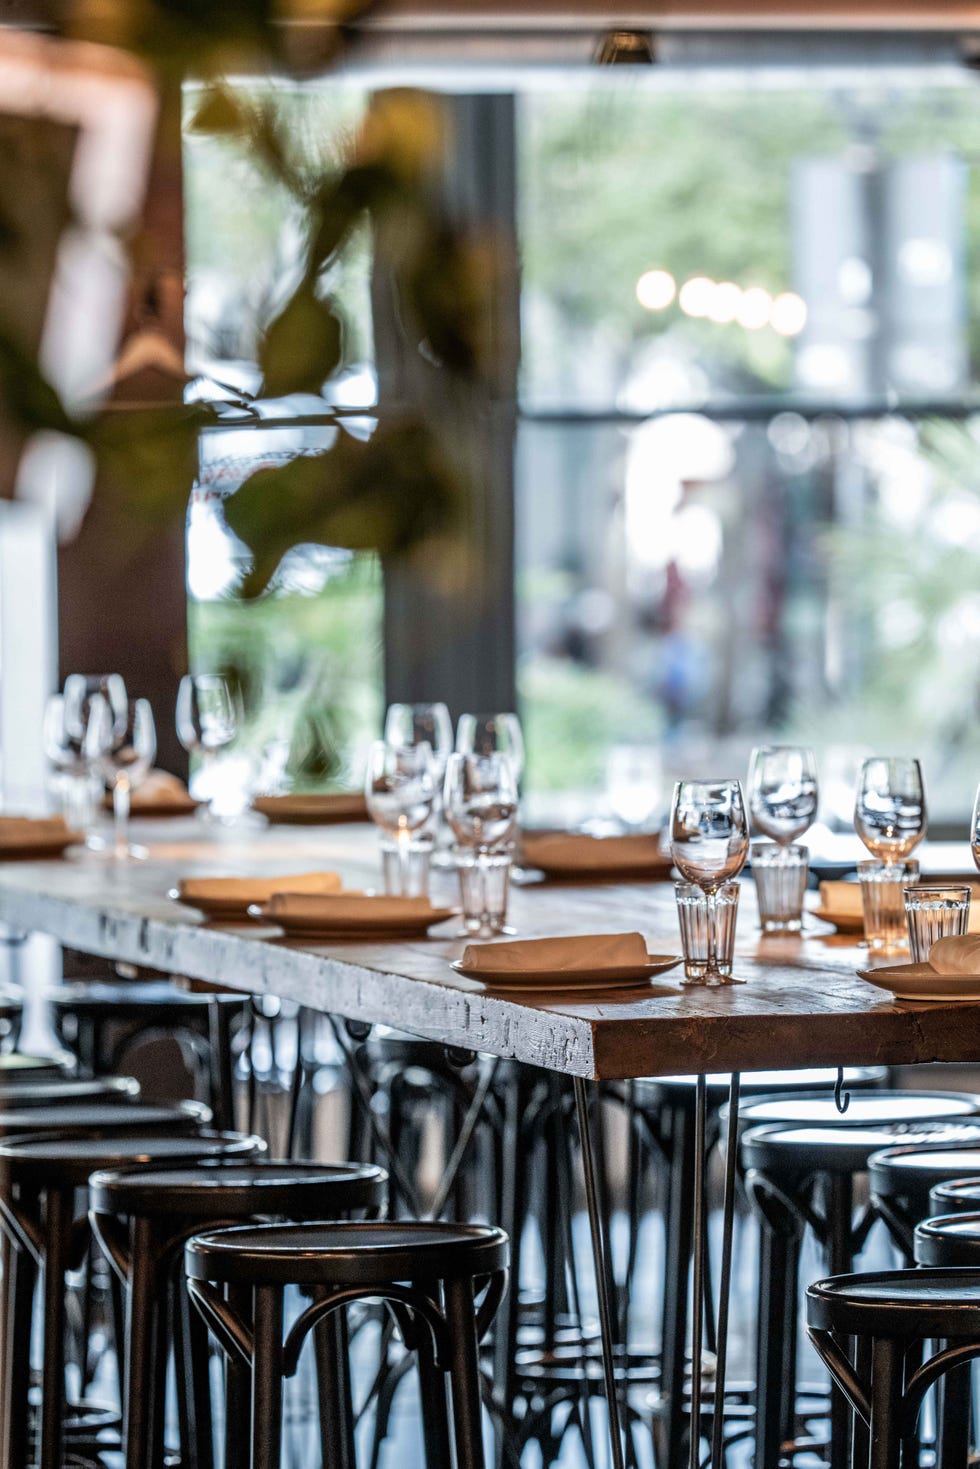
[121, 747]
[890, 809]
[416, 724]
[975, 831]
[81, 689]
[709, 836]
[66, 753]
[492, 734]
[634, 775]
[400, 788]
[481, 799]
[206, 722]
[783, 791]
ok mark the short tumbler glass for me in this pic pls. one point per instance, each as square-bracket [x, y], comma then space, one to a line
[883, 887]
[405, 865]
[484, 886]
[934, 913]
[780, 875]
[693, 915]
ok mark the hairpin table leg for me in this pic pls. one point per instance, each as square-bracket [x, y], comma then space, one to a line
[724, 1286]
[600, 1256]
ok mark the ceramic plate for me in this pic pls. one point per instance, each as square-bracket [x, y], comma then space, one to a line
[397, 925]
[843, 922]
[920, 982]
[609, 977]
[50, 846]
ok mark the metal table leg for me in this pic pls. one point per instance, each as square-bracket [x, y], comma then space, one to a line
[724, 1285]
[600, 1256]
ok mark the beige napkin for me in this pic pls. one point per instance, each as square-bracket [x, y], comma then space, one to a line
[28, 831]
[842, 897]
[576, 852]
[345, 907]
[160, 788]
[575, 954]
[245, 890]
[959, 954]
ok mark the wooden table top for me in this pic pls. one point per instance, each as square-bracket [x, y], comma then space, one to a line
[802, 1003]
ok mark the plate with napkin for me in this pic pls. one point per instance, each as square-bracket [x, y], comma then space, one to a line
[23, 838]
[588, 960]
[840, 905]
[951, 973]
[571, 854]
[228, 899]
[350, 915]
[159, 794]
[316, 809]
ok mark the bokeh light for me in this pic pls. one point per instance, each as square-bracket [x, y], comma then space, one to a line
[656, 289]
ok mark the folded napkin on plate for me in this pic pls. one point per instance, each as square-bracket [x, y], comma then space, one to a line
[329, 806]
[841, 897]
[160, 788]
[577, 953]
[23, 831]
[573, 850]
[257, 889]
[345, 907]
[958, 954]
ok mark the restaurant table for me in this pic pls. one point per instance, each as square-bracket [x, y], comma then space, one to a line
[802, 1003]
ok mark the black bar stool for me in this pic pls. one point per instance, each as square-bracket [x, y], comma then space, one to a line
[902, 1177]
[16, 1067]
[99, 1021]
[951, 1240]
[888, 1314]
[429, 1275]
[962, 1196]
[800, 1175]
[40, 1176]
[69, 1091]
[143, 1218]
[661, 1115]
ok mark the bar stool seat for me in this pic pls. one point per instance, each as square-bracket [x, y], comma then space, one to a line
[902, 1177]
[16, 1067]
[962, 1196]
[69, 1090]
[430, 1275]
[949, 1239]
[890, 1315]
[867, 1109]
[40, 1175]
[797, 1151]
[95, 1119]
[142, 1218]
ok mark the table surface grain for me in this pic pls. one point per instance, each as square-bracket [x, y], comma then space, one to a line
[802, 1003]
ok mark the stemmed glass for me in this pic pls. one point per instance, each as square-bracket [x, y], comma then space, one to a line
[481, 807]
[783, 791]
[81, 689]
[492, 734]
[407, 725]
[709, 837]
[975, 831]
[121, 745]
[206, 721]
[400, 789]
[634, 775]
[66, 753]
[890, 809]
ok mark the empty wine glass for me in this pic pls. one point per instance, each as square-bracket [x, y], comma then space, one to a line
[206, 722]
[890, 809]
[122, 748]
[492, 734]
[481, 799]
[81, 689]
[783, 791]
[417, 724]
[400, 788]
[709, 836]
[65, 752]
[634, 775]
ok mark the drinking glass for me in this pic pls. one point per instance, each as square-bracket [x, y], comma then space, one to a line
[890, 809]
[634, 776]
[400, 789]
[492, 734]
[780, 875]
[484, 886]
[480, 801]
[782, 791]
[709, 837]
[883, 887]
[206, 722]
[935, 913]
[66, 753]
[975, 831]
[122, 748]
[704, 928]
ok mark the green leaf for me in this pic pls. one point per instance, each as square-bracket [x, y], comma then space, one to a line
[388, 494]
[301, 347]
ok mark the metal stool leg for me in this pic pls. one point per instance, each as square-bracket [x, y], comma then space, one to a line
[336, 1407]
[267, 1378]
[464, 1374]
